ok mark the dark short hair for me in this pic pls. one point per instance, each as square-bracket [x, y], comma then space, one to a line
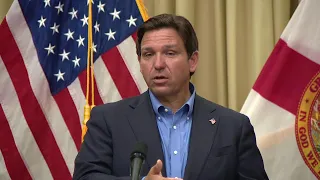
[179, 23]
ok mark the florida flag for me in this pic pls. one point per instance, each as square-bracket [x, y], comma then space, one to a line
[284, 105]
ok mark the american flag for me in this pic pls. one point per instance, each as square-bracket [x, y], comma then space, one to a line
[43, 67]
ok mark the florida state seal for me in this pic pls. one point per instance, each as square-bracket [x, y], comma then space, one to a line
[307, 125]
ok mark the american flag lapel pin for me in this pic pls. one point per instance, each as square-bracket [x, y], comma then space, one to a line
[213, 121]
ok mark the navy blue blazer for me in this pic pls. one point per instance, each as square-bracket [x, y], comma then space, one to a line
[224, 150]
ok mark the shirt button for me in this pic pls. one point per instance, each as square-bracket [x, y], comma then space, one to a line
[187, 117]
[175, 152]
[174, 127]
[159, 118]
[166, 110]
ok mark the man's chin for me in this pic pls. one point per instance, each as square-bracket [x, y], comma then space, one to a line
[161, 91]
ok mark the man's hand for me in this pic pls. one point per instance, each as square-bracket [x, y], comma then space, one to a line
[155, 173]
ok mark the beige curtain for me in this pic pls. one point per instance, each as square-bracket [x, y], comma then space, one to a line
[236, 38]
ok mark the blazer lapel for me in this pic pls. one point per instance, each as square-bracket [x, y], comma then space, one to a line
[144, 125]
[201, 138]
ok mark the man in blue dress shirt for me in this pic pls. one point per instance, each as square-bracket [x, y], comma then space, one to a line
[188, 137]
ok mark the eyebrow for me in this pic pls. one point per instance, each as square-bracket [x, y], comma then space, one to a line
[165, 47]
[170, 46]
[146, 49]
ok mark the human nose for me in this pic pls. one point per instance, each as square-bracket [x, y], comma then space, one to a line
[159, 62]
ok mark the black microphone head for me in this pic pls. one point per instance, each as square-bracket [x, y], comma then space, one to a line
[140, 148]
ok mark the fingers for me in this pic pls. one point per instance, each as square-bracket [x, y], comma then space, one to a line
[156, 169]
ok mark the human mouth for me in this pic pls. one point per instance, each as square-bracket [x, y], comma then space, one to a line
[160, 79]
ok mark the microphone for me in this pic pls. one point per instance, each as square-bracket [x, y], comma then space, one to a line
[137, 158]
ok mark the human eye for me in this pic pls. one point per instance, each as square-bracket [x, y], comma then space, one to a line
[171, 53]
[146, 54]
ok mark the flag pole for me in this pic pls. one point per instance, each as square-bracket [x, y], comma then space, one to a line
[87, 107]
[142, 9]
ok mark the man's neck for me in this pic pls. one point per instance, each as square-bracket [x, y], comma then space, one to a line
[176, 101]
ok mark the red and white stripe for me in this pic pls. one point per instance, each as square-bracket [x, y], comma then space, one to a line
[40, 134]
[273, 101]
[3, 170]
[18, 145]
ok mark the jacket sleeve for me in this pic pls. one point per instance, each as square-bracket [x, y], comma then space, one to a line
[94, 160]
[250, 164]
